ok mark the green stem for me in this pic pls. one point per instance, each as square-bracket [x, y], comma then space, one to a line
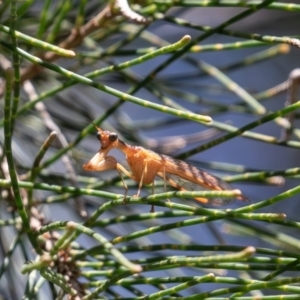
[241, 130]
[10, 161]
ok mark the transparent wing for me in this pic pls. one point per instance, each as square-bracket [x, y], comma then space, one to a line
[186, 177]
[183, 184]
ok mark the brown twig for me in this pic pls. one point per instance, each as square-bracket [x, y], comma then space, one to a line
[73, 40]
[294, 82]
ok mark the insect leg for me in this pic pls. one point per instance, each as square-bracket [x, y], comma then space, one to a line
[142, 178]
[165, 182]
[124, 183]
[120, 169]
[100, 164]
[152, 210]
[108, 163]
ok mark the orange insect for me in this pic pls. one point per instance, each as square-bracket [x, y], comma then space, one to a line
[145, 165]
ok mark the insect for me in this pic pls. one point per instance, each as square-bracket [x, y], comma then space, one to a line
[145, 165]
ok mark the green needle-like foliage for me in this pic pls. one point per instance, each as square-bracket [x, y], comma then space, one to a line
[156, 76]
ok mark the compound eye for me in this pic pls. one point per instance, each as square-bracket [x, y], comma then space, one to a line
[98, 135]
[113, 137]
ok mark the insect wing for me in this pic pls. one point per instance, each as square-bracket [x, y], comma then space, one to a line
[186, 185]
[187, 177]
